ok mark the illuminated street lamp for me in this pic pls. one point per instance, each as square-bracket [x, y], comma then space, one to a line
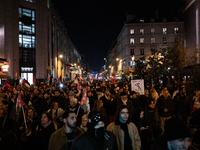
[109, 66]
[117, 59]
[61, 56]
[133, 58]
[74, 64]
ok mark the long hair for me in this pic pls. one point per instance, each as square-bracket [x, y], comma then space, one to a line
[34, 112]
[48, 114]
[97, 105]
[52, 105]
[118, 114]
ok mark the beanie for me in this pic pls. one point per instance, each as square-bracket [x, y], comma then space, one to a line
[176, 129]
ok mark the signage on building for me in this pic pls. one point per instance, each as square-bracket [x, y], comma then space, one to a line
[138, 86]
[5, 68]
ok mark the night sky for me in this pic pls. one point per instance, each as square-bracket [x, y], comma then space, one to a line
[94, 24]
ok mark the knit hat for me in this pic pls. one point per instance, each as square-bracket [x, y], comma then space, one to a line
[176, 129]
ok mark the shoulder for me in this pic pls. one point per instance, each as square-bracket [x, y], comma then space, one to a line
[132, 125]
[58, 132]
[78, 130]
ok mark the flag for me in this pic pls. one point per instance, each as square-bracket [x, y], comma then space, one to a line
[59, 80]
[25, 84]
[83, 102]
[7, 84]
[73, 69]
[19, 99]
[78, 86]
[34, 82]
[49, 80]
[68, 66]
[113, 77]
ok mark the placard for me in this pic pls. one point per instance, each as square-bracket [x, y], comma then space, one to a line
[138, 86]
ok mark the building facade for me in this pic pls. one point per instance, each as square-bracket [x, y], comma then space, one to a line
[138, 37]
[192, 27]
[34, 41]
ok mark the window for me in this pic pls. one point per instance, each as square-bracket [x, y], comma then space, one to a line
[164, 30]
[31, 1]
[142, 51]
[27, 14]
[132, 52]
[132, 31]
[153, 40]
[26, 29]
[26, 41]
[176, 30]
[152, 30]
[132, 41]
[141, 20]
[164, 40]
[141, 40]
[142, 31]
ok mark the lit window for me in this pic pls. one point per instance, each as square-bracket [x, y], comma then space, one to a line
[31, 1]
[141, 20]
[132, 31]
[164, 30]
[142, 31]
[164, 40]
[142, 51]
[152, 30]
[132, 52]
[176, 30]
[153, 40]
[141, 40]
[132, 41]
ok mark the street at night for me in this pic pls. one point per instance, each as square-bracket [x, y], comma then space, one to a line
[99, 75]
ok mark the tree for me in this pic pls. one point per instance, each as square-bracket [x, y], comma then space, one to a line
[177, 57]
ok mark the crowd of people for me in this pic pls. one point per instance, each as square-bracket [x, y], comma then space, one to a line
[115, 117]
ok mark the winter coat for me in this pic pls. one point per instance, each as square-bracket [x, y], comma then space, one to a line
[119, 133]
[163, 103]
[85, 142]
[43, 135]
[58, 140]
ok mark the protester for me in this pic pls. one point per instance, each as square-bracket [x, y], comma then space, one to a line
[95, 138]
[84, 122]
[44, 131]
[63, 137]
[125, 131]
[176, 137]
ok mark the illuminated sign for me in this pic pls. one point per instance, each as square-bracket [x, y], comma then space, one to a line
[5, 68]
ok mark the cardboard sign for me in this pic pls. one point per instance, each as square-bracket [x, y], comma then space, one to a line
[138, 86]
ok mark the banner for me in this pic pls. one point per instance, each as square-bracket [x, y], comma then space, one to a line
[138, 86]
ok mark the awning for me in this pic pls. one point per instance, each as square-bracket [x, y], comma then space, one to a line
[3, 75]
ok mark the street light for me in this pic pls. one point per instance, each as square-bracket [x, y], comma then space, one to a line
[133, 58]
[74, 64]
[61, 56]
[109, 66]
[117, 59]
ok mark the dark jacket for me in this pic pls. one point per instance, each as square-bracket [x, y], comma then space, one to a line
[182, 106]
[58, 140]
[43, 135]
[163, 103]
[160, 144]
[85, 142]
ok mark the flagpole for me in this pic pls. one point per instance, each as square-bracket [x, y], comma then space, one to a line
[24, 117]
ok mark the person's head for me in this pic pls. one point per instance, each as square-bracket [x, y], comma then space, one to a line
[134, 94]
[30, 113]
[138, 113]
[73, 102]
[55, 105]
[177, 134]
[40, 95]
[124, 96]
[71, 94]
[98, 104]
[96, 124]
[165, 93]
[182, 90]
[107, 91]
[89, 93]
[3, 107]
[151, 103]
[88, 88]
[98, 91]
[84, 120]
[122, 115]
[70, 118]
[45, 117]
[57, 93]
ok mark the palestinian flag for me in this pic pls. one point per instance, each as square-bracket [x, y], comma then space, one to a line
[49, 80]
[34, 82]
[68, 66]
[83, 102]
[73, 69]
[25, 84]
[7, 84]
[59, 80]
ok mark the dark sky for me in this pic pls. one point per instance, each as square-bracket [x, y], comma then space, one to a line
[94, 24]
